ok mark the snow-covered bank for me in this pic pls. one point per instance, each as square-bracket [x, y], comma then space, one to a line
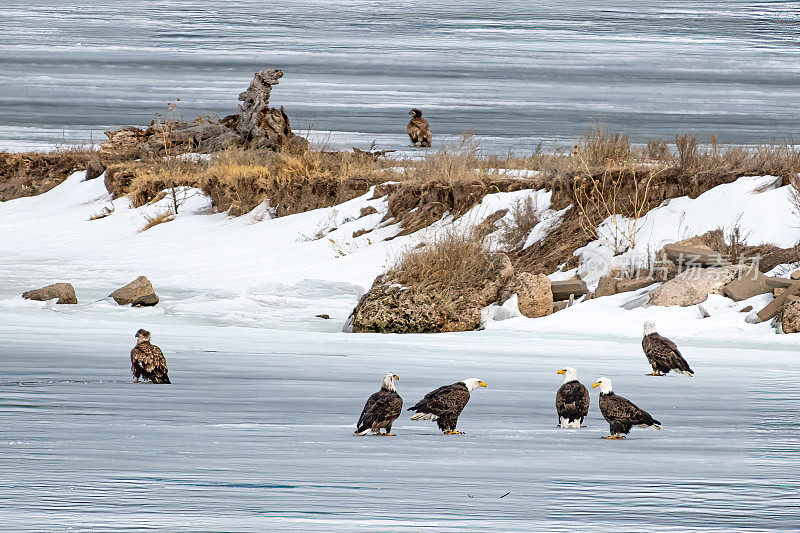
[255, 432]
[260, 271]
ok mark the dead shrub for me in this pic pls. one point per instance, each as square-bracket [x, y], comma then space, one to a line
[611, 193]
[657, 150]
[686, 146]
[31, 173]
[159, 218]
[103, 213]
[449, 265]
[600, 148]
[524, 217]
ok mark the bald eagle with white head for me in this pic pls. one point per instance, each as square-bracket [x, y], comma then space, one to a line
[621, 413]
[445, 404]
[572, 400]
[381, 409]
[662, 353]
[147, 360]
[419, 131]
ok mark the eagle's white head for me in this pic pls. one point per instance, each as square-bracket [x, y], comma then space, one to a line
[388, 381]
[605, 385]
[570, 374]
[649, 327]
[473, 383]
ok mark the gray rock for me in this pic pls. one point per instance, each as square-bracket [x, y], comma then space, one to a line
[562, 290]
[750, 282]
[630, 285]
[692, 286]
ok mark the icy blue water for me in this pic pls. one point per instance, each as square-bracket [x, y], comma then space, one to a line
[514, 72]
[255, 434]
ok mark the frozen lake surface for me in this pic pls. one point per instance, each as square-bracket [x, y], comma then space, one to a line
[516, 73]
[256, 433]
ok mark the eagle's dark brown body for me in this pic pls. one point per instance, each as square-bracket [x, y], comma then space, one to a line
[663, 355]
[443, 405]
[621, 414]
[380, 411]
[419, 131]
[572, 402]
[147, 360]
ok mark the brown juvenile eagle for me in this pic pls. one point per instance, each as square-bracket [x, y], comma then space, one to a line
[572, 400]
[662, 353]
[621, 413]
[445, 404]
[419, 131]
[381, 409]
[147, 361]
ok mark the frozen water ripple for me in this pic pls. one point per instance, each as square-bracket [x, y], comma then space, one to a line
[256, 433]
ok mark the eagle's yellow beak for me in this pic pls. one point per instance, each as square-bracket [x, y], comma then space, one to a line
[482, 384]
[561, 371]
[596, 384]
[396, 377]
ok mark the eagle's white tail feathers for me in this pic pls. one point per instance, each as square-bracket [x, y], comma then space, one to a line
[424, 416]
[361, 433]
[645, 426]
[685, 373]
[565, 423]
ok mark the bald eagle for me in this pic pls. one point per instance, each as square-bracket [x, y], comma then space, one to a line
[662, 353]
[572, 400]
[621, 413]
[419, 131]
[381, 409]
[147, 361]
[445, 404]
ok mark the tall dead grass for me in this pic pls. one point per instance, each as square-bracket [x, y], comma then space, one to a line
[449, 264]
[524, 217]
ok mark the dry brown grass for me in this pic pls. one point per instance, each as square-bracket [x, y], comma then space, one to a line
[168, 215]
[239, 180]
[32, 173]
[601, 148]
[524, 217]
[449, 264]
[103, 213]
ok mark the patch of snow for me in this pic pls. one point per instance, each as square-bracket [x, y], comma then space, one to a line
[763, 214]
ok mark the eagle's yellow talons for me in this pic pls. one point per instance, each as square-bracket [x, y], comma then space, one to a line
[389, 435]
[583, 426]
[654, 374]
[453, 432]
[615, 437]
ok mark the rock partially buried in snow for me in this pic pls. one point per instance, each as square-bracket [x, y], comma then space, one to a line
[65, 293]
[749, 283]
[607, 286]
[692, 286]
[390, 307]
[790, 316]
[534, 296]
[138, 292]
[630, 285]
